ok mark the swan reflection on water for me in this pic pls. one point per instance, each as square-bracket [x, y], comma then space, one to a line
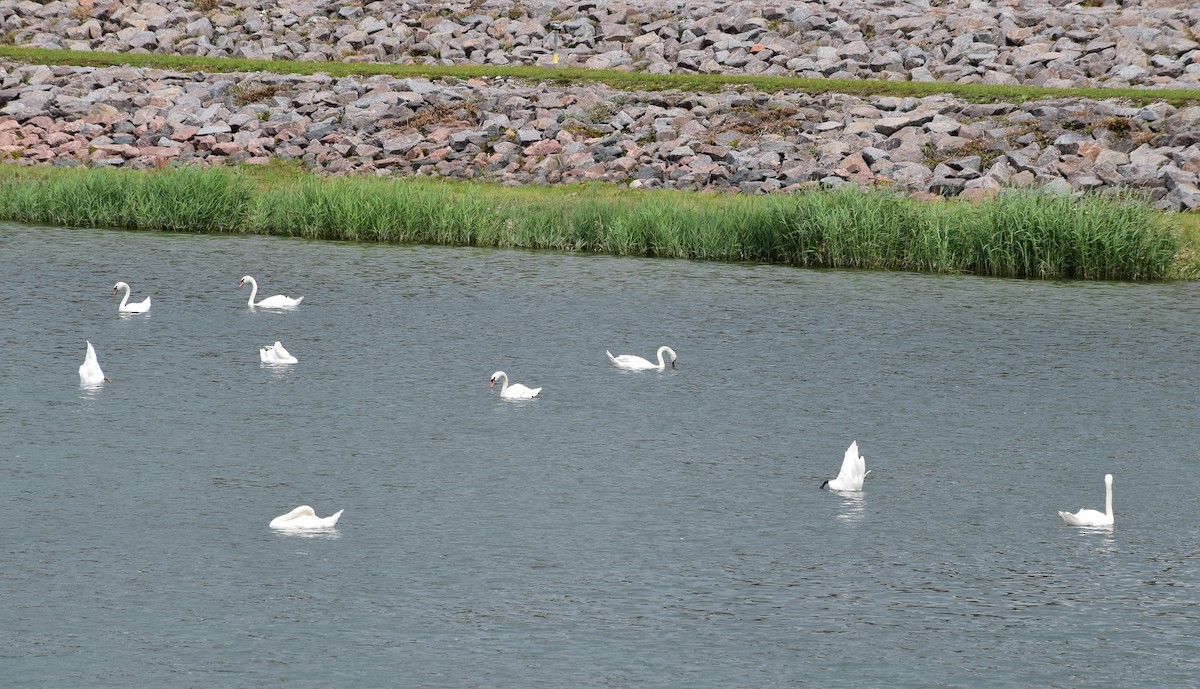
[853, 504]
[1103, 539]
[328, 534]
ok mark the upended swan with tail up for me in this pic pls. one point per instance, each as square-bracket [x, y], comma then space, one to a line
[278, 301]
[125, 307]
[637, 363]
[516, 391]
[1094, 517]
[854, 471]
[304, 517]
[90, 373]
[276, 354]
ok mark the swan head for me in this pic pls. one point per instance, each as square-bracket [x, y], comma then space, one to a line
[245, 279]
[496, 376]
[117, 287]
[670, 352]
[1108, 479]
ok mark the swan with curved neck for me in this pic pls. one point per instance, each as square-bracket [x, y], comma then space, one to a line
[90, 373]
[125, 307]
[516, 391]
[304, 517]
[276, 354]
[853, 472]
[278, 301]
[637, 363]
[1094, 517]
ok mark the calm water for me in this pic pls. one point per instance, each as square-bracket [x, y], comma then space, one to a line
[624, 530]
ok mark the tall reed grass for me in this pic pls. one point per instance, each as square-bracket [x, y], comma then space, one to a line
[1018, 234]
[183, 199]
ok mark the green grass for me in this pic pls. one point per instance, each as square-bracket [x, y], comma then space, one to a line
[632, 81]
[1019, 234]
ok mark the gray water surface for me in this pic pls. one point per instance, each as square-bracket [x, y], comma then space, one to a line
[650, 529]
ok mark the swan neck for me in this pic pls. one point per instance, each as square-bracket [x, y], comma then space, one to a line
[1108, 501]
[253, 291]
[662, 364]
[503, 383]
[125, 299]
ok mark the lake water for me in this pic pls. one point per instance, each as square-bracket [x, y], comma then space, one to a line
[652, 529]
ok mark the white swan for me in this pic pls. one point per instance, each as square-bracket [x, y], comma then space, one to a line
[854, 470]
[637, 363]
[276, 354]
[303, 517]
[516, 391]
[1093, 517]
[125, 307]
[276, 302]
[89, 372]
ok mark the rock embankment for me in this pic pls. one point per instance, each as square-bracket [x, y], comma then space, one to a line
[1151, 43]
[518, 133]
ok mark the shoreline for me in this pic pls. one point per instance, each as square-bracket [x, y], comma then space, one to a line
[1018, 234]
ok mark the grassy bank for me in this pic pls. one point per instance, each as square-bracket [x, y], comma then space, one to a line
[1017, 235]
[628, 81]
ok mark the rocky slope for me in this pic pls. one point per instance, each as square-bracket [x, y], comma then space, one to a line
[521, 133]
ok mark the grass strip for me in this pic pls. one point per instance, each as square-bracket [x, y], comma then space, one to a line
[1019, 234]
[626, 81]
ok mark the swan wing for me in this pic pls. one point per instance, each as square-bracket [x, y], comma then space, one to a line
[298, 518]
[283, 355]
[304, 517]
[1069, 518]
[276, 354]
[136, 307]
[853, 468]
[631, 361]
[279, 301]
[1086, 518]
[518, 390]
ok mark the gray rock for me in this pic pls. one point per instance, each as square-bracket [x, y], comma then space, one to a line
[872, 155]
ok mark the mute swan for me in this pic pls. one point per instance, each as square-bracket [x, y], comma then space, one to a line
[303, 517]
[125, 307]
[516, 391]
[637, 363]
[276, 354]
[854, 470]
[275, 302]
[89, 372]
[1093, 517]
